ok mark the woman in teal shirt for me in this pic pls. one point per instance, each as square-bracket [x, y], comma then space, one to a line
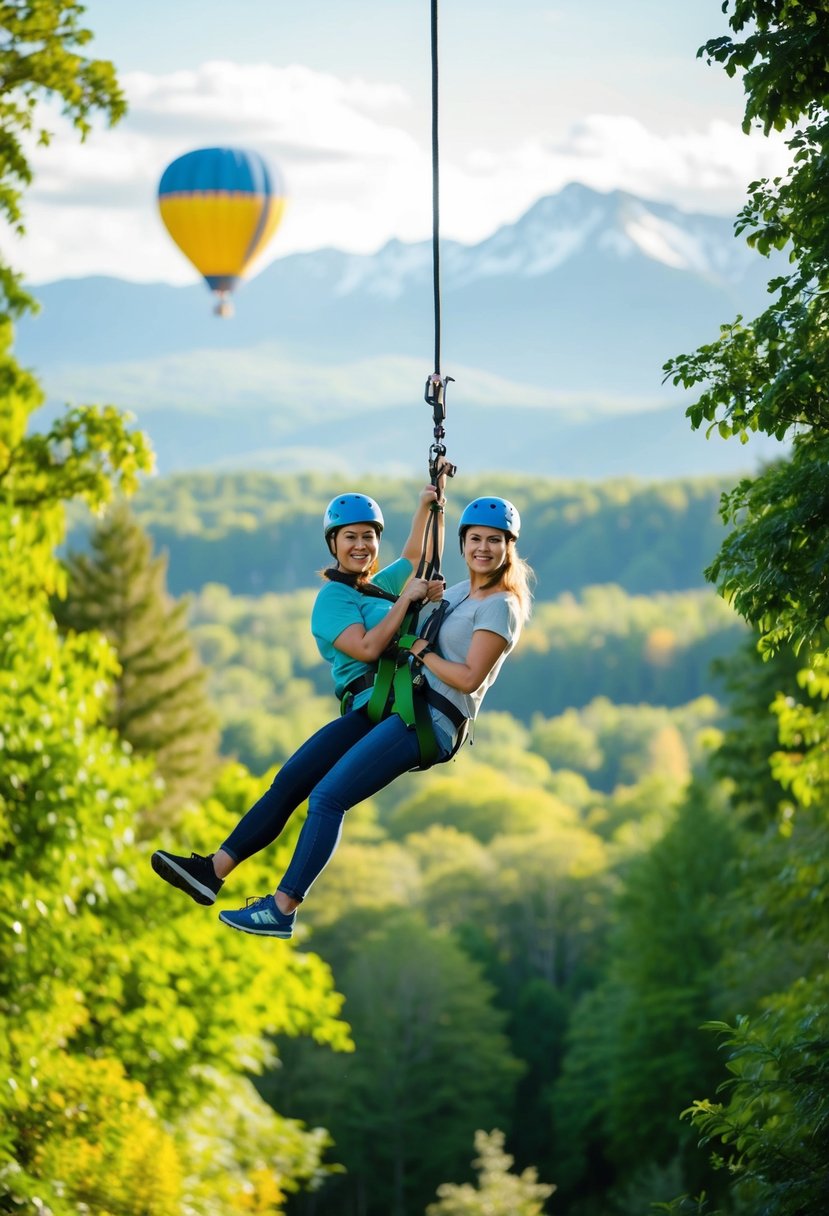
[356, 609]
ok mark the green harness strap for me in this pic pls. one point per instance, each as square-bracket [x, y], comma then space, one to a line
[381, 694]
[394, 693]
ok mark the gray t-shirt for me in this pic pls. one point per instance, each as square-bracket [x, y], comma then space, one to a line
[498, 613]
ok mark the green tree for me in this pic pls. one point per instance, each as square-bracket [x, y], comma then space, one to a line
[115, 1007]
[158, 701]
[667, 952]
[771, 1134]
[40, 57]
[431, 1061]
[753, 683]
[221, 527]
[635, 1049]
[771, 375]
[499, 1192]
[490, 804]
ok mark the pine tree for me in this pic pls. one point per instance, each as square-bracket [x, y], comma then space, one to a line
[159, 702]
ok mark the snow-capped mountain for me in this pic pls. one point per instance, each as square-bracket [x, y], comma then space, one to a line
[557, 229]
[568, 315]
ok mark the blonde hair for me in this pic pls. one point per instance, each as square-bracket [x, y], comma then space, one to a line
[517, 577]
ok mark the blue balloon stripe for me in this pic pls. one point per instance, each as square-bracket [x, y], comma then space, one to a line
[232, 169]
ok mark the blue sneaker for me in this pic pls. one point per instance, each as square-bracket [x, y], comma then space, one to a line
[262, 917]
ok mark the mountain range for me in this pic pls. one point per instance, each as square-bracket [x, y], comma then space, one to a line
[555, 330]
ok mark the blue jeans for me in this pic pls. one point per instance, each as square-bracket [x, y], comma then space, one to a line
[347, 761]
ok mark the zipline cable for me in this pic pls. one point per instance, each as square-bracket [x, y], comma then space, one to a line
[394, 686]
[436, 383]
[435, 185]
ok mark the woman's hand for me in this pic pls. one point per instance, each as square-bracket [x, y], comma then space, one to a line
[368, 645]
[421, 590]
[445, 469]
[484, 652]
[430, 495]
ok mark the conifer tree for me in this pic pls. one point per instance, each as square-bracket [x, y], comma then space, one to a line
[159, 701]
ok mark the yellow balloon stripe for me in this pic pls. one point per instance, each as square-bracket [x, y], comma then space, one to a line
[221, 233]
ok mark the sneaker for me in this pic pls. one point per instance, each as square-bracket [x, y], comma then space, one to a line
[261, 916]
[194, 875]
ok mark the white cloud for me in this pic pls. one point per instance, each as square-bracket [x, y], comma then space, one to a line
[706, 170]
[355, 176]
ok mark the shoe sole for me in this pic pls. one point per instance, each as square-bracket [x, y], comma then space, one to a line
[257, 932]
[167, 869]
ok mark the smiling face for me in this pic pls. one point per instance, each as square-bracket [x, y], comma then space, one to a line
[484, 550]
[356, 547]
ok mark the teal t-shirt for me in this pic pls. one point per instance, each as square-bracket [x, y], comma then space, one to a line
[337, 606]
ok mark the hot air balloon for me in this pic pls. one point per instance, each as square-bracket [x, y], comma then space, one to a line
[221, 206]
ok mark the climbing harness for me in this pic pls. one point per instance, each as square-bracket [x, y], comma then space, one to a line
[414, 689]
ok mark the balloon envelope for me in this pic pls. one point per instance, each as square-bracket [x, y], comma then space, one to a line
[221, 206]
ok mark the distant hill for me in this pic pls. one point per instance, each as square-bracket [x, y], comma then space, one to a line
[260, 531]
[555, 329]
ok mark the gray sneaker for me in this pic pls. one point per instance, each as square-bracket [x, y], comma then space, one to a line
[194, 875]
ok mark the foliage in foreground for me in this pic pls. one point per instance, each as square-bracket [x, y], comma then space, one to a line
[119, 1012]
[771, 375]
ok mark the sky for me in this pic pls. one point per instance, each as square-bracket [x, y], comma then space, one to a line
[534, 94]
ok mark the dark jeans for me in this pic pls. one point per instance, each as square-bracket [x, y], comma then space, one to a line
[342, 764]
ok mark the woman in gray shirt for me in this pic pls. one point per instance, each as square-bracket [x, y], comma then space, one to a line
[484, 614]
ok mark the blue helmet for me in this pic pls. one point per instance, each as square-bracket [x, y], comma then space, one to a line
[351, 509]
[491, 513]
